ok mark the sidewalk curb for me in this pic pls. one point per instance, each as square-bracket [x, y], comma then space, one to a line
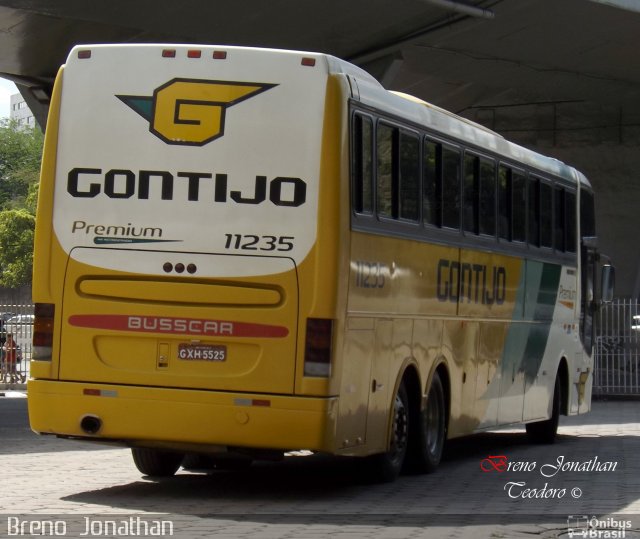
[13, 387]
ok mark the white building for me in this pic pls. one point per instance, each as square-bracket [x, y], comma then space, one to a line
[20, 112]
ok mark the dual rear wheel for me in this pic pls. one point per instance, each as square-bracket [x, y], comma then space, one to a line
[418, 447]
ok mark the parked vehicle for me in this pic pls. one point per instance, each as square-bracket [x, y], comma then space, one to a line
[20, 319]
[21, 325]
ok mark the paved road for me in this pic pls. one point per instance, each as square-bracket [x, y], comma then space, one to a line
[65, 485]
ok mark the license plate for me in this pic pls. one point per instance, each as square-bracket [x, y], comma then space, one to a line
[202, 352]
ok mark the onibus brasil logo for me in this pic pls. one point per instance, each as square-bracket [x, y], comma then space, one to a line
[191, 112]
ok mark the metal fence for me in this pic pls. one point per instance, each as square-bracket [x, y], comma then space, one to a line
[617, 349]
[16, 320]
[617, 344]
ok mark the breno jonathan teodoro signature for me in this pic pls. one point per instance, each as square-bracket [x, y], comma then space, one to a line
[90, 527]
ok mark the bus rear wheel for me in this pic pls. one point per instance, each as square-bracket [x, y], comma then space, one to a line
[156, 463]
[544, 432]
[386, 467]
[429, 436]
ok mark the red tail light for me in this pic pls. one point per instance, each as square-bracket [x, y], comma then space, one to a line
[43, 331]
[317, 353]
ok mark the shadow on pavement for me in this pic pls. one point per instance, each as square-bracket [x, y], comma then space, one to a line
[321, 489]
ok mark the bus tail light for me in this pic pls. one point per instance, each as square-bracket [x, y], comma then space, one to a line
[317, 352]
[43, 331]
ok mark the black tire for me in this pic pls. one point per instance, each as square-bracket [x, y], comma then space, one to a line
[430, 433]
[386, 467]
[155, 462]
[544, 432]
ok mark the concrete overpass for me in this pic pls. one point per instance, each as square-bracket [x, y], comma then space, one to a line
[562, 77]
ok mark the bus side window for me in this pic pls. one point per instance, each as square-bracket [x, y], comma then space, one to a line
[487, 197]
[534, 212]
[451, 195]
[471, 180]
[559, 223]
[362, 164]
[409, 176]
[432, 186]
[504, 203]
[546, 215]
[571, 216]
[386, 187]
[587, 214]
[519, 207]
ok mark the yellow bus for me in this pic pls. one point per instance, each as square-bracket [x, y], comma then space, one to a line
[242, 252]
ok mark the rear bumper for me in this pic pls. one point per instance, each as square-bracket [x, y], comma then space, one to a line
[179, 418]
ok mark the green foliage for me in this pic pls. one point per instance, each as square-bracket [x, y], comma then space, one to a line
[20, 157]
[16, 247]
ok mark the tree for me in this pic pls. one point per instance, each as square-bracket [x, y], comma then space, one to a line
[20, 157]
[16, 247]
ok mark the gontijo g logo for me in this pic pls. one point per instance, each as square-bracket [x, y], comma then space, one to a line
[191, 112]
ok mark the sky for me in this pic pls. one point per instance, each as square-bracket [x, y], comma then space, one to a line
[7, 89]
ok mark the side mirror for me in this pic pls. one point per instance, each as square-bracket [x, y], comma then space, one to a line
[608, 283]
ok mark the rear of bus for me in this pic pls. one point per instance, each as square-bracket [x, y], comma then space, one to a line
[185, 293]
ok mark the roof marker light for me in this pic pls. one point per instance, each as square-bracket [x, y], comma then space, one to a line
[84, 53]
[219, 55]
[168, 53]
[309, 62]
[194, 53]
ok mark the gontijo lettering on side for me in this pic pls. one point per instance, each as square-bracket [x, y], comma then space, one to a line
[475, 283]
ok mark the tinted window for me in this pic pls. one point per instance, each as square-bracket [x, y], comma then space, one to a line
[571, 220]
[587, 214]
[519, 207]
[534, 211]
[409, 176]
[471, 174]
[504, 202]
[362, 164]
[487, 197]
[451, 187]
[546, 215]
[384, 181]
[431, 184]
[559, 221]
